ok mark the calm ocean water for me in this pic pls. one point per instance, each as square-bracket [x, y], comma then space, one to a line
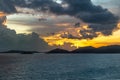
[60, 67]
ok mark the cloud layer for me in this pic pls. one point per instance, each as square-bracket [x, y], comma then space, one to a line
[82, 9]
[99, 19]
[7, 6]
[9, 40]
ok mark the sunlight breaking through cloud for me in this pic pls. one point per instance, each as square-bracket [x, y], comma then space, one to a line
[101, 40]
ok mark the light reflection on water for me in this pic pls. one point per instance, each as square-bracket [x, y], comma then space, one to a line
[60, 67]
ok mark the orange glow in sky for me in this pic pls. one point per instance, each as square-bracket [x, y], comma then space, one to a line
[57, 40]
[2, 14]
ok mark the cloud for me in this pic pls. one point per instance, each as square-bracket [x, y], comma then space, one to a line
[99, 19]
[7, 6]
[88, 34]
[81, 32]
[2, 19]
[68, 35]
[113, 5]
[83, 10]
[88, 12]
[106, 29]
[9, 40]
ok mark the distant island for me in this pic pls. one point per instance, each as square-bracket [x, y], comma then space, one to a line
[85, 50]
[55, 51]
[107, 49]
[20, 51]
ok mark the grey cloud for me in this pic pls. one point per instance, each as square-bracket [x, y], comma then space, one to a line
[106, 29]
[69, 36]
[113, 5]
[2, 19]
[84, 10]
[7, 6]
[88, 34]
[9, 40]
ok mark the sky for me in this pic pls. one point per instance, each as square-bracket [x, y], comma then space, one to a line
[68, 24]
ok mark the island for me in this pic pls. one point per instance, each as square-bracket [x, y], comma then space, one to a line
[83, 50]
[88, 50]
[57, 51]
[20, 51]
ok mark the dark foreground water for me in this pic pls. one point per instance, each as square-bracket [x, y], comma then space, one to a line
[60, 67]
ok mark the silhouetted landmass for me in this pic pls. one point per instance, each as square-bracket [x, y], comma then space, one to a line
[88, 50]
[55, 51]
[107, 49]
[21, 52]
[84, 50]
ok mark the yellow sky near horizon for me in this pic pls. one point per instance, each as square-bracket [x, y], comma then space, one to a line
[101, 40]
[57, 40]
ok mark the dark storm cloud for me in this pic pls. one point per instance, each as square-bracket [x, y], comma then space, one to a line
[85, 10]
[113, 5]
[106, 29]
[82, 9]
[9, 40]
[7, 6]
[95, 29]
[99, 19]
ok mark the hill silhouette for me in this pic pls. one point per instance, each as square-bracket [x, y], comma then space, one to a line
[54, 51]
[20, 51]
[106, 49]
[88, 50]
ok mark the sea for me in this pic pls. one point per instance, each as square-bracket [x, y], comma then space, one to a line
[60, 66]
